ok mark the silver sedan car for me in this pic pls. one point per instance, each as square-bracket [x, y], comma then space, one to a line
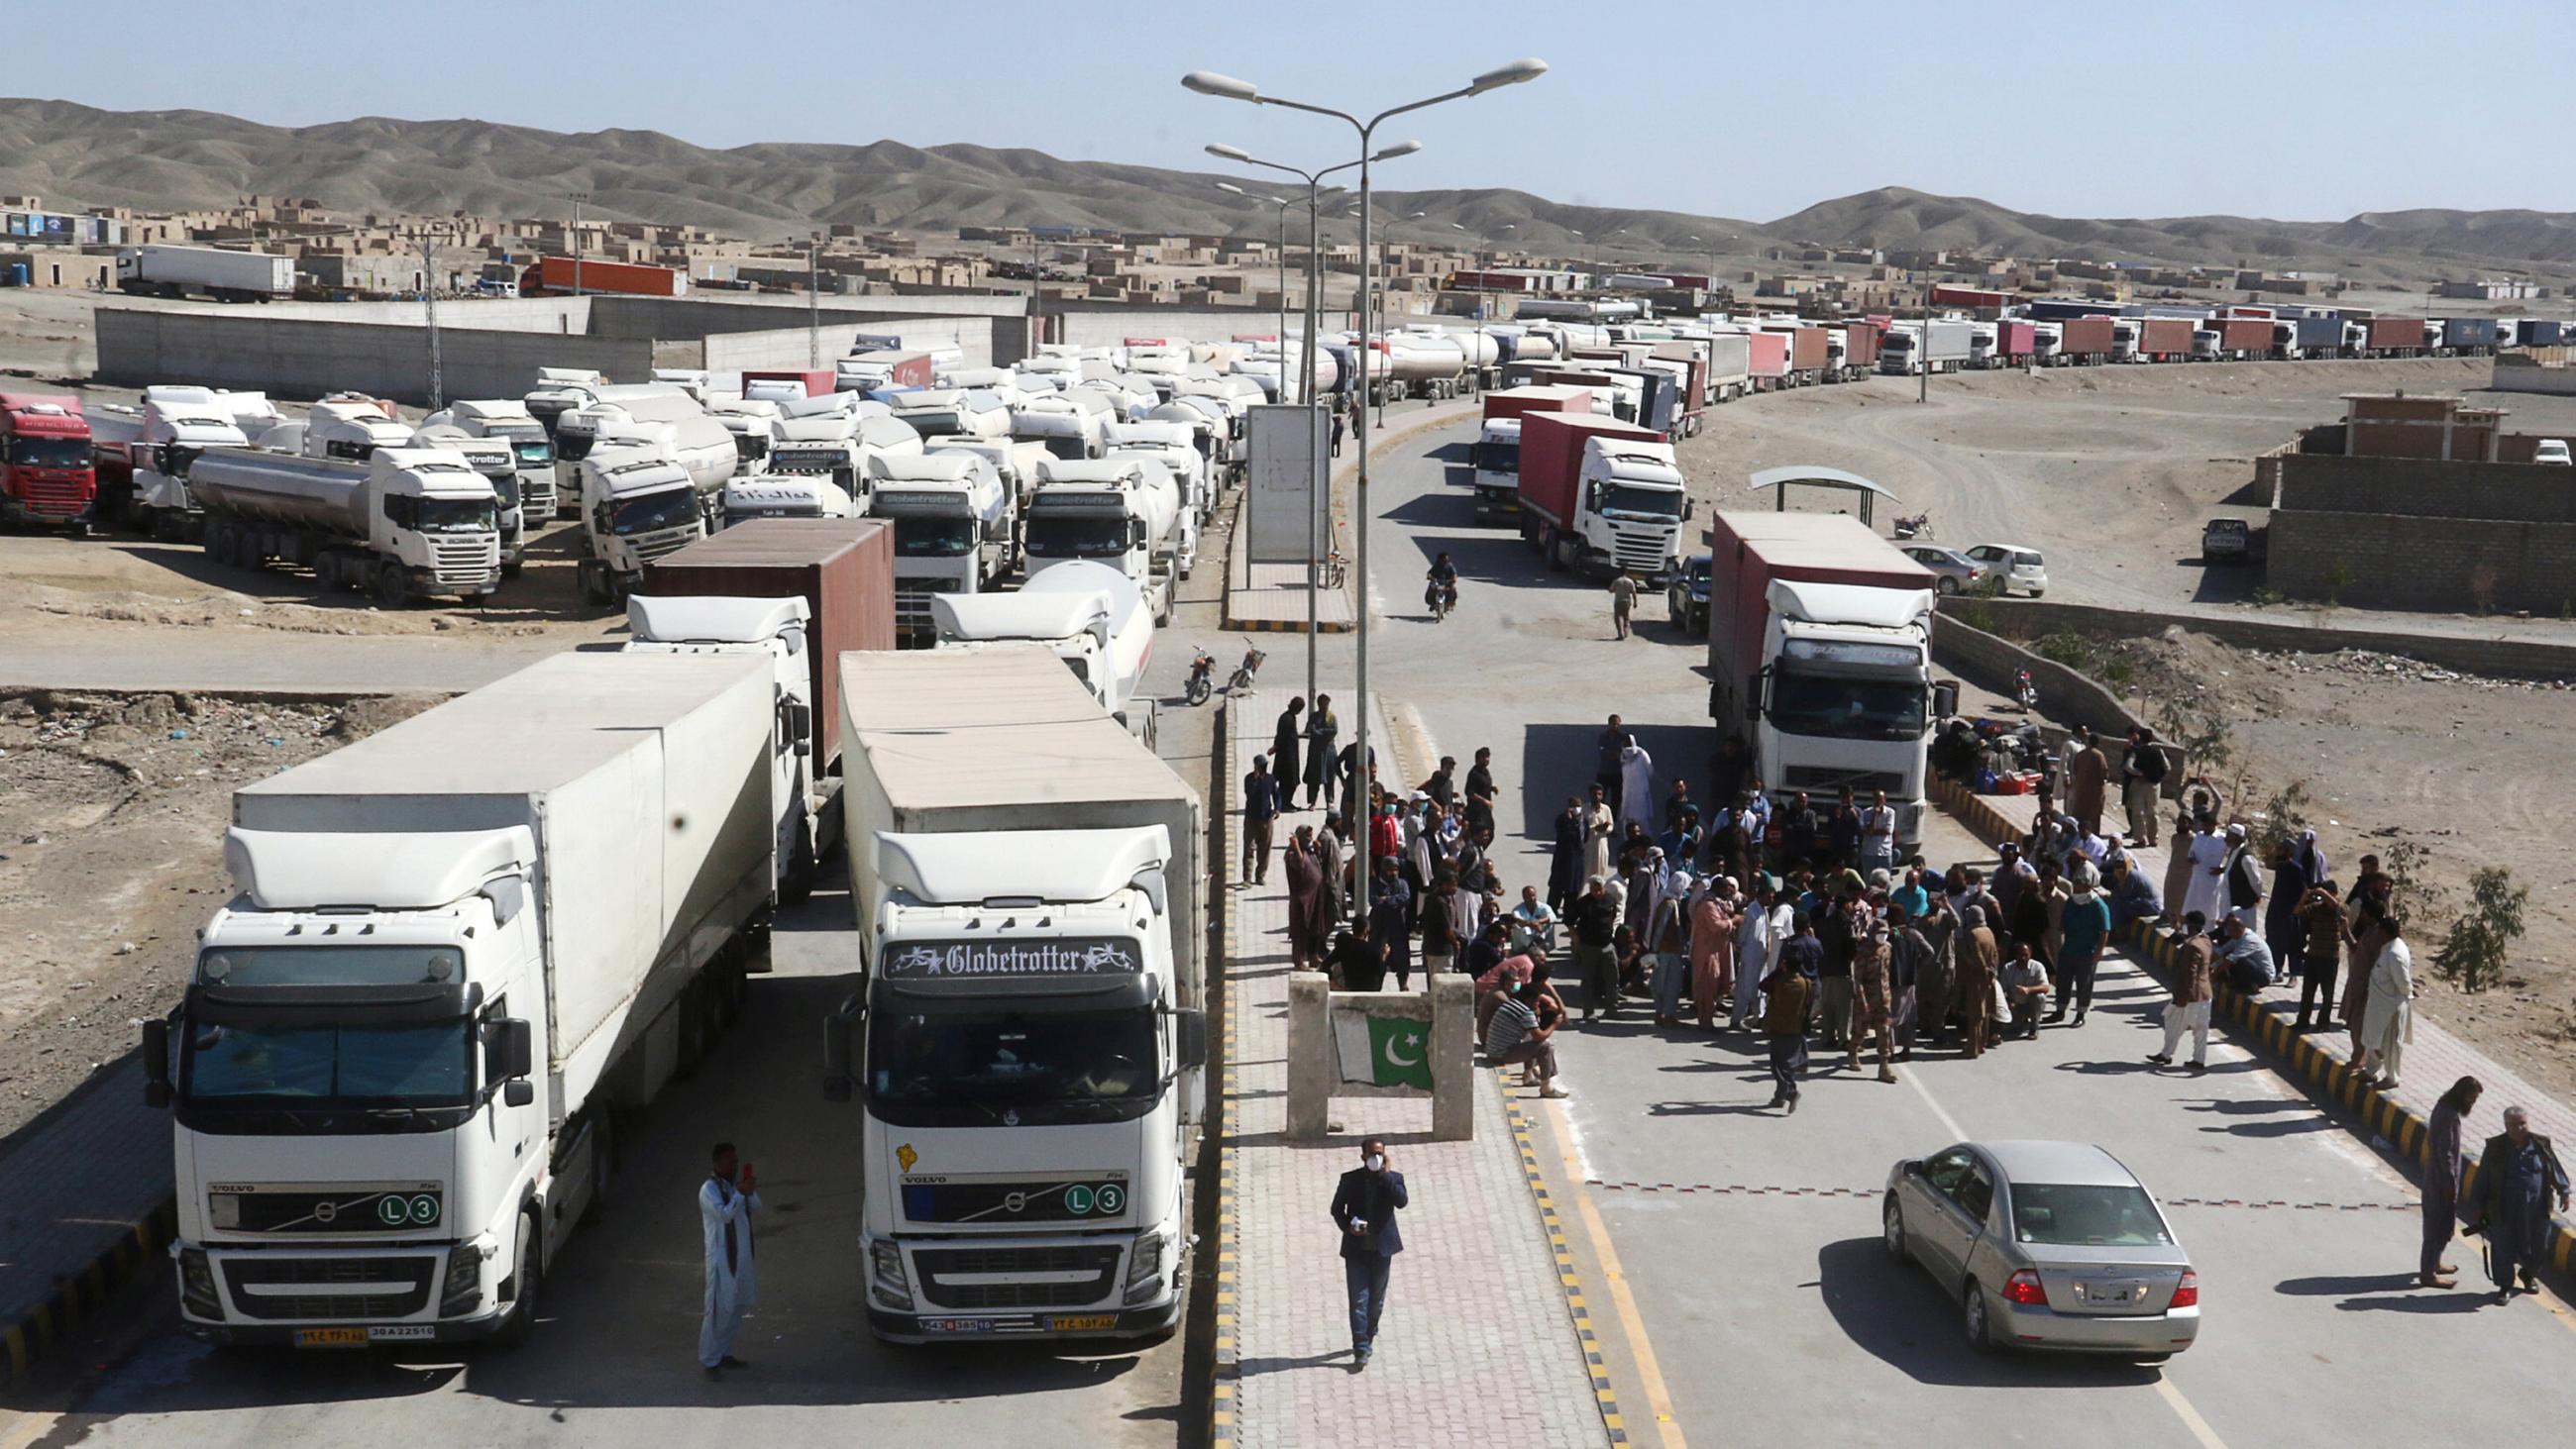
[1952, 571]
[2047, 1245]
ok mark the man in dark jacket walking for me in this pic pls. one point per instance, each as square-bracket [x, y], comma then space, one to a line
[1364, 1208]
[2518, 1174]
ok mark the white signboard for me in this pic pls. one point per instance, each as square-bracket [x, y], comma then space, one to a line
[1285, 488]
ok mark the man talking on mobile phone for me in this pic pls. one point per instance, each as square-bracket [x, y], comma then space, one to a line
[1364, 1208]
[726, 1201]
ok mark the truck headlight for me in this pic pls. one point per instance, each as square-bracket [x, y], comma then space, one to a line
[463, 1290]
[885, 1264]
[1145, 1269]
[197, 1284]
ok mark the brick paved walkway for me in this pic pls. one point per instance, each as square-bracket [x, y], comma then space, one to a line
[1477, 1346]
[81, 1194]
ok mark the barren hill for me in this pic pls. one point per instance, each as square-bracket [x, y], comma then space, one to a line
[76, 155]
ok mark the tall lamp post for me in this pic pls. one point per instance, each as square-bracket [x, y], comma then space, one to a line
[1283, 203]
[1209, 83]
[1322, 483]
[578, 198]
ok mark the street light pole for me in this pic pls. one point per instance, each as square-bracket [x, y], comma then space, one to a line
[578, 198]
[429, 305]
[1207, 83]
[813, 303]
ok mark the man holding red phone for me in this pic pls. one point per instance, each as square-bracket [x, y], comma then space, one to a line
[726, 1202]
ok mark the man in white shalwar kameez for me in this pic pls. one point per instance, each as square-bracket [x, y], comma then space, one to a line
[726, 1202]
[1637, 788]
[2388, 1017]
[2206, 892]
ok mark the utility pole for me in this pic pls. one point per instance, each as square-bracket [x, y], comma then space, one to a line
[429, 301]
[1923, 345]
[578, 198]
[814, 302]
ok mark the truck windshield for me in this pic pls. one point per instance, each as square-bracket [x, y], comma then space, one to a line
[1078, 535]
[930, 423]
[1653, 502]
[505, 485]
[934, 537]
[1498, 458]
[424, 1065]
[969, 1068]
[456, 515]
[49, 452]
[573, 447]
[671, 508]
[808, 460]
[534, 453]
[1845, 707]
[1069, 449]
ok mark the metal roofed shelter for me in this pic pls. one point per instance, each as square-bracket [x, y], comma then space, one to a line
[1819, 477]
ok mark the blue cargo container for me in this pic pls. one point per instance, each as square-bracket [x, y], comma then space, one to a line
[2320, 333]
[2460, 333]
[2542, 331]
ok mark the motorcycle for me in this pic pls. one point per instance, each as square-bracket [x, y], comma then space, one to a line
[2025, 693]
[1441, 598]
[1919, 526]
[1240, 682]
[1198, 688]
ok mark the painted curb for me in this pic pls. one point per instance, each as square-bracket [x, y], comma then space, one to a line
[1566, 1278]
[28, 1340]
[2292, 1056]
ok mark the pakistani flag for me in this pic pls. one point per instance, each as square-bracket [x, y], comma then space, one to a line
[1383, 1051]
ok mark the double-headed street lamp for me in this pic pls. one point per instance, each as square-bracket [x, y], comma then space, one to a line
[1209, 83]
[1321, 482]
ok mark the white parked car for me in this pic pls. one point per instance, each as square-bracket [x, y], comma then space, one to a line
[2020, 567]
[2552, 450]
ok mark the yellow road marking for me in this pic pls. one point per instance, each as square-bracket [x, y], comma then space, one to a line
[1659, 1402]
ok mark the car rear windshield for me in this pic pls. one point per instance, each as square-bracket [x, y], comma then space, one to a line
[2089, 1215]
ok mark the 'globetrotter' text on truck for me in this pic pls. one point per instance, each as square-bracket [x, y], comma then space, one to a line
[394, 1071]
[1820, 656]
[1027, 1045]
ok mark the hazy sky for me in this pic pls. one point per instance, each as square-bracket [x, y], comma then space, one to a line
[2171, 107]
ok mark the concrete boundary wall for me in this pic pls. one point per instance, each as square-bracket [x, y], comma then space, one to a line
[788, 346]
[2500, 655]
[303, 358]
[2401, 561]
[2553, 381]
[2424, 488]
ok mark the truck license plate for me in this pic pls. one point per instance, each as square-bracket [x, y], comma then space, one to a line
[1083, 1322]
[330, 1338]
[402, 1332]
[956, 1325]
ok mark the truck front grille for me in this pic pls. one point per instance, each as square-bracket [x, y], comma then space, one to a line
[388, 1287]
[653, 548]
[1826, 777]
[54, 497]
[937, 1266]
[912, 602]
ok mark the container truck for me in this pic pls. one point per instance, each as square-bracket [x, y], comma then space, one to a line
[554, 277]
[532, 447]
[2016, 340]
[1087, 614]
[1860, 350]
[1495, 456]
[142, 453]
[491, 457]
[956, 530]
[217, 272]
[2124, 339]
[1601, 497]
[2166, 339]
[1820, 657]
[48, 478]
[408, 523]
[1125, 512]
[1027, 1042]
[883, 370]
[1807, 356]
[2393, 337]
[2242, 339]
[1730, 366]
[447, 965]
[2086, 341]
[2469, 336]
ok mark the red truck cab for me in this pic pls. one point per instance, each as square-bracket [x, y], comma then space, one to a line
[47, 477]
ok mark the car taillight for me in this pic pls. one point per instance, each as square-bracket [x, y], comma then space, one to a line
[2023, 1288]
[2186, 1292]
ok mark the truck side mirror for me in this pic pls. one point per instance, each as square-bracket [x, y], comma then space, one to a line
[800, 726]
[838, 1030]
[156, 1064]
[1190, 1039]
[509, 1051]
[1945, 698]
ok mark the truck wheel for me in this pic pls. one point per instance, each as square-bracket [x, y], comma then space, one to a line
[528, 1278]
[1554, 547]
[392, 589]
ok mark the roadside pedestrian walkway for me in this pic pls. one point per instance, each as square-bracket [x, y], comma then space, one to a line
[84, 1200]
[1478, 1346]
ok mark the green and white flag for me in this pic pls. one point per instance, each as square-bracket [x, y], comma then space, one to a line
[1383, 1051]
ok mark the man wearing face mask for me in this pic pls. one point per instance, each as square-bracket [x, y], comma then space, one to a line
[1364, 1208]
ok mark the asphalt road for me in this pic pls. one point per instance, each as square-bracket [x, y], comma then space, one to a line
[1766, 1318]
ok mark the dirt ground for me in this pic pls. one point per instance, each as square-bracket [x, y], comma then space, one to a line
[111, 808]
[2109, 471]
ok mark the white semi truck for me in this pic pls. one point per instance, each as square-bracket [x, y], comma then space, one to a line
[956, 529]
[143, 452]
[1027, 1044]
[635, 508]
[1070, 425]
[406, 524]
[784, 495]
[1087, 614]
[656, 416]
[1175, 444]
[218, 272]
[838, 446]
[495, 459]
[532, 448]
[444, 967]
[1124, 513]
